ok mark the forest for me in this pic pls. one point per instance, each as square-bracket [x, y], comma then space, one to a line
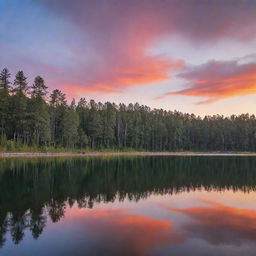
[32, 118]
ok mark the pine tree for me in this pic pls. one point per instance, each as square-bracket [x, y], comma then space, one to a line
[4, 103]
[19, 104]
[39, 89]
[20, 83]
[4, 80]
[58, 98]
[58, 105]
[39, 115]
[94, 125]
[70, 127]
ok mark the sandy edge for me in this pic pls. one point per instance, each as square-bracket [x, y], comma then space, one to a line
[4, 155]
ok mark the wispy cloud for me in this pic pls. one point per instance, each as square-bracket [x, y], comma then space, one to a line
[218, 80]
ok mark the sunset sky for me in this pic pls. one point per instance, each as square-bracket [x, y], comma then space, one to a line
[194, 55]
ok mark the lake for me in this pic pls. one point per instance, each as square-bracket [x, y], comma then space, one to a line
[159, 205]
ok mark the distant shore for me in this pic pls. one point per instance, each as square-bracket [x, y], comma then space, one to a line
[66, 154]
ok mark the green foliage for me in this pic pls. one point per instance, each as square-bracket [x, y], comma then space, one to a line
[83, 140]
[4, 80]
[39, 89]
[20, 83]
[30, 122]
[70, 124]
[10, 145]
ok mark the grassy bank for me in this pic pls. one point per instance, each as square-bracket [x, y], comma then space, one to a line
[119, 153]
[31, 149]
[28, 151]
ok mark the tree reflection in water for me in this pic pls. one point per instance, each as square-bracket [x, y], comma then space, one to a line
[33, 189]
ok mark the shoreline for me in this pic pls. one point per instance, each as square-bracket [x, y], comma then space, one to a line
[99, 154]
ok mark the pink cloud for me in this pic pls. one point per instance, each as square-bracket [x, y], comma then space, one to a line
[118, 34]
[217, 80]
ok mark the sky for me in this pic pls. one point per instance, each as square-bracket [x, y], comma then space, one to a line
[195, 56]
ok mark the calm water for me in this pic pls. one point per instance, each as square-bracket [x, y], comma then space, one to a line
[128, 206]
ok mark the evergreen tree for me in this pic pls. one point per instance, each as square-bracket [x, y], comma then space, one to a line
[4, 103]
[58, 105]
[94, 126]
[39, 115]
[19, 104]
[58, 98]
[4, 80]
[70, 127]
[20, 83]
[39, 89]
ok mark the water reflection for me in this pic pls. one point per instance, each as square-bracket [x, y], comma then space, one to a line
[123, 233]
[39, 193]
[206, 222]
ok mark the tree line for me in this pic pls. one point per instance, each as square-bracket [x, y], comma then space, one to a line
[32, 118]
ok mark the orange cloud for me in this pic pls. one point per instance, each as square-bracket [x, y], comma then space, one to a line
[217, 80]
[143, 71]
[218, 223]
[118, 45]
